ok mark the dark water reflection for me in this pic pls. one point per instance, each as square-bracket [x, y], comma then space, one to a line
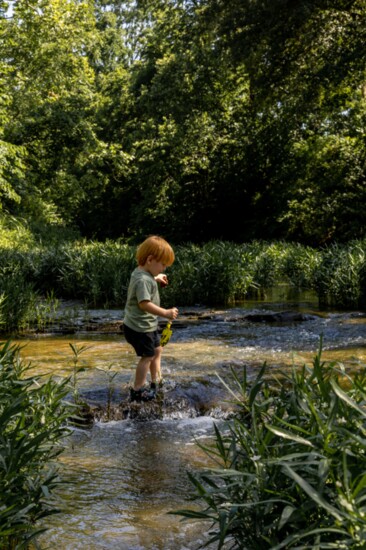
[127, 475]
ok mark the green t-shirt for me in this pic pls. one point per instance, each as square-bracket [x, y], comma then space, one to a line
[142, 287]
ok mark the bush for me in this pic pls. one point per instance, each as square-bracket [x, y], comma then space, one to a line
[292, 465]
[14, 233]
[98, 273]
[267, 262]
[32, 424]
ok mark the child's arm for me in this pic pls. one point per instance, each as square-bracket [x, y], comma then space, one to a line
[162, 279]
[149, 307]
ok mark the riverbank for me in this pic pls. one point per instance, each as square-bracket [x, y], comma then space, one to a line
[33, 281]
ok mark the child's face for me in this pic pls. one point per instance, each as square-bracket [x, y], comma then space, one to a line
[154, 266]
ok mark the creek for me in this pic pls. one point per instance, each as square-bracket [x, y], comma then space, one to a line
[124, 475]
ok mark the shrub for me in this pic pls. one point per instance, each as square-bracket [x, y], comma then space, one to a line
[96, 272]
[292, 466]
[32, 424]
[267, 261]
[14, 233]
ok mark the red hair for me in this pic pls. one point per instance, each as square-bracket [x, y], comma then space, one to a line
[157, 247]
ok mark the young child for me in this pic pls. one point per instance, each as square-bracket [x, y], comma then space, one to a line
[143, 309]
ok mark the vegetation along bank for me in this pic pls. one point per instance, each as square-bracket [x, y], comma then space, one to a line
[34, 278]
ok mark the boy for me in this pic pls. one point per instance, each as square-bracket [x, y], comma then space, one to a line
[142, 310]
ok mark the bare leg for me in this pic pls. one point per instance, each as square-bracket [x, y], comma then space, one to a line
[141, 372]
[155, 369]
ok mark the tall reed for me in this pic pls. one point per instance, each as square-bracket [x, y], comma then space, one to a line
[33, 415]
[291, 467]
[340, 276]
[17, 298]
[214, 273]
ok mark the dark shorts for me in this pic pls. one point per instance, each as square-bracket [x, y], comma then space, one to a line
[144, 343]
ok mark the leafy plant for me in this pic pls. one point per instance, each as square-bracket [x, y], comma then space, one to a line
[77, 351]
[300, 265]
[291, 467]
[33, 423]
[44, 312]
[111, 375]
[214, 273]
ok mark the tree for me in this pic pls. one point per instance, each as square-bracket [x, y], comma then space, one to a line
[198, 119]
[305, 65]
[51, 95]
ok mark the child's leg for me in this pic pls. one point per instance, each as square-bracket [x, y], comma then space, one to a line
[141, 372]
[155, 369]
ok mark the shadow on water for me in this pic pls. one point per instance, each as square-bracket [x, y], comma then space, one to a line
[126, 477]
[127, 473]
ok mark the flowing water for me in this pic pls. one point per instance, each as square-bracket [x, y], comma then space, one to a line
[125, 476]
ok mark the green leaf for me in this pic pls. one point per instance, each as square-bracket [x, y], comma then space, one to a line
[312, 493]
[192, 514]
[347, 399]
[308, 534]
[289, 435]
[285, 516]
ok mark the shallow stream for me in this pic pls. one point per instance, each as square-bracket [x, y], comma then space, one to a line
[127, 475]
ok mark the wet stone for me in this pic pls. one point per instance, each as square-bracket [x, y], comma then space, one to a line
[279, 317]
[187, 400]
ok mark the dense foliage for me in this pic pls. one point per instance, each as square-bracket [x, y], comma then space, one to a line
[33, 418]
[291, 466]
[33, 279]
[195, 119]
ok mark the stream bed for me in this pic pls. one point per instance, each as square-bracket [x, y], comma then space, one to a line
[124, 475]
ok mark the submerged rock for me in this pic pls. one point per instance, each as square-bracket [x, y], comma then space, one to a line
[175, 401]
[279, 317]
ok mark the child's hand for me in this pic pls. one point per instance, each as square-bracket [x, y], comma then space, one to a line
[162, 279]
[172, 313]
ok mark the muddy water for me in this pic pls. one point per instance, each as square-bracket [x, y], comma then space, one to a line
[126, 476]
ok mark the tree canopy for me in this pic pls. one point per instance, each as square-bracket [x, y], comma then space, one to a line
[195, 119]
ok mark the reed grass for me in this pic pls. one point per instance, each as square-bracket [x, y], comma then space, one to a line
[340, 276]
[291, 467]
[214, 273]
[33, 420]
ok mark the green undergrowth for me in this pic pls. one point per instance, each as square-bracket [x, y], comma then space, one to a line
[291, 467]
[33, 425]
[214, 273]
